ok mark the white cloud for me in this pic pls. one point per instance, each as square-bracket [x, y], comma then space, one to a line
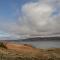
[38, 19]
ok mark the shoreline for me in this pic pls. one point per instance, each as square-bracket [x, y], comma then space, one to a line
[11, 51]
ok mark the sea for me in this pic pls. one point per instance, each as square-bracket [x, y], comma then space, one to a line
[41, 44]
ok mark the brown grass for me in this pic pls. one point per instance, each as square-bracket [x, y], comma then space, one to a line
[27, 52]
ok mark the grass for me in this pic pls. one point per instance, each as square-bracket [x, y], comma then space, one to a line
[33, 54]
[2, 45]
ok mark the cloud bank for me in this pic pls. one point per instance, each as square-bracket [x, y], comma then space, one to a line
[40, 18]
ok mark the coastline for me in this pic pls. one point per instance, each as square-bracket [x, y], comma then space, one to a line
[11, 51]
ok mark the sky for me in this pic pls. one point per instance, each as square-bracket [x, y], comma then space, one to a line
[29, 18]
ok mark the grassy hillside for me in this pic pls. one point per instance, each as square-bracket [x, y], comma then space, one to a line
[12, 51]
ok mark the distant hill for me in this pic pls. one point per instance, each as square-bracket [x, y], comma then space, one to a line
[34, 39]
[41, 38]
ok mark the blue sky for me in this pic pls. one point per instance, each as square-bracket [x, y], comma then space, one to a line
[22, 18]
[9, 8]
[8, 12]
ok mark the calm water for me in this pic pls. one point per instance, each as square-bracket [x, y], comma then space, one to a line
[43, 44]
